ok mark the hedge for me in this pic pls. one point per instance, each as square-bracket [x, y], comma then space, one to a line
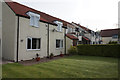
[72, 50]
[99, 50]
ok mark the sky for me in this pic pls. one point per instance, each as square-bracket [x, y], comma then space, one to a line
[93, 14]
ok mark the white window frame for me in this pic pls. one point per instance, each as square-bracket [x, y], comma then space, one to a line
[31, 44]
[61, 40]
[34, 19]
[59, 26]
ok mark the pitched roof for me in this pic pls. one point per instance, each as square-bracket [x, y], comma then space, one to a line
[21, 10]
[109, 32]
[71, 37]
[86, 38]
[81, 26]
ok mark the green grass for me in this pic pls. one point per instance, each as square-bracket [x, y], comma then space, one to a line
[70, 67]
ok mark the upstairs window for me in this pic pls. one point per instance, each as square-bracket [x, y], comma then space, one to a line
[77, 29]
[59, 26]
[69, 30]
[73, 30]
[34, 19]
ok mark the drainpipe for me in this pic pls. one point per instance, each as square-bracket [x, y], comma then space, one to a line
[17, 39]
[65, 41]
[48, 41]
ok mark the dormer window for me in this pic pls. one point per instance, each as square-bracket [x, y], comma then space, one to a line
[69, 30]
[59, 27]
[34, 19]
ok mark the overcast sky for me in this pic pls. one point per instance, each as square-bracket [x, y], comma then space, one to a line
[93, 14]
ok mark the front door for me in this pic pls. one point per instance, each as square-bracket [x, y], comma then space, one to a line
[74, 42]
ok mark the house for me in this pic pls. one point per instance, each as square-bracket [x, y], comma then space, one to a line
[27, 32]
[71, 36]
[87, 36]
[109, 35]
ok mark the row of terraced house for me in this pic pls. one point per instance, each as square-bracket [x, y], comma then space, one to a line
[27, 32]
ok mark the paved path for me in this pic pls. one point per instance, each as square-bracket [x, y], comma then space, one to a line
[33, 61]
[5, 61]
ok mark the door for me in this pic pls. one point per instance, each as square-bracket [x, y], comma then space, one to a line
[74, 42]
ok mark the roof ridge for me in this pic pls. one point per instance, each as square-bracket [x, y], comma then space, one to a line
[110, 29]
[83, 27]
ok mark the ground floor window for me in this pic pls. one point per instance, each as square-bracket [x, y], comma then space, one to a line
[33, 43]
[59, 43]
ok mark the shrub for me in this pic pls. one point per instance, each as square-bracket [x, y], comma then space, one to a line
[113, 42]
[72, 50]
[110, 50]
[51, 55]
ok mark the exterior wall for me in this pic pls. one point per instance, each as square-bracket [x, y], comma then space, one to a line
[69, 43]
[0, 29]
[98, 40]
[107, 39]
[0, 19]
[25, 31]
[9, 33]
[92, 38]
[52, 37]
[88, 36]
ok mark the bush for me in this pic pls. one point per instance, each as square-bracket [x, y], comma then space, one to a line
[109, 50]
[51, 55]
[72, 50]
[113, 42]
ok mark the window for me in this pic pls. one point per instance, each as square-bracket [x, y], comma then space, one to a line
[59, 43]
[73, 30]
[33, 43]
[69, 30]
[29, 43]
[115, 36]
[34, 19]
[77, 29]
[59, 25]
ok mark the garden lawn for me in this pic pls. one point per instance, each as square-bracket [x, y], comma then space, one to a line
[69, 67]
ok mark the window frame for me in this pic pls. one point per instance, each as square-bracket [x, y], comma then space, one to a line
[34, 19]
[69, 30]
[59, 26]
[61, 43]
[31, 44]
[115, 36]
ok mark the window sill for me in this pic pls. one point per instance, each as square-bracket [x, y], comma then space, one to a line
[60, 31]
[59, 48]
[33, 49]
[34, 26]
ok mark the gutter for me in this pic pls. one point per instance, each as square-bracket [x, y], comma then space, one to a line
[17, 39]
[39, 20]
